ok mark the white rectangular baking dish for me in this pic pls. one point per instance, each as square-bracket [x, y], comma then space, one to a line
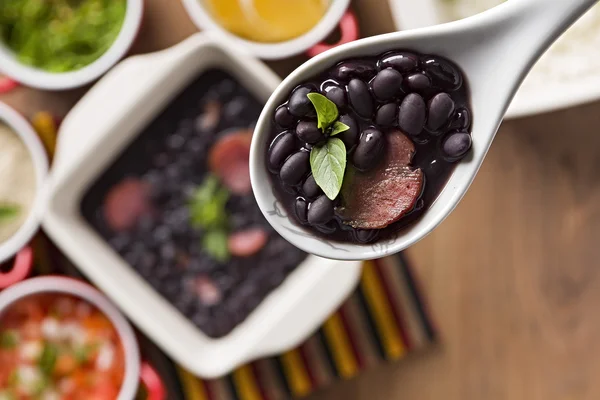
[106, 120]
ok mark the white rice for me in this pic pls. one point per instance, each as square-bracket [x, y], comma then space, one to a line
[574, 55]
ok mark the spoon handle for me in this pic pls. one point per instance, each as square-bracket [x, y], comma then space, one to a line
[551, 18]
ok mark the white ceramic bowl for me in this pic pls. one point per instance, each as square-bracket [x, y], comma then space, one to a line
[540, 92]
[129, 97]
[25, 131]
[41, 79]
[269, 51]
[52, 284]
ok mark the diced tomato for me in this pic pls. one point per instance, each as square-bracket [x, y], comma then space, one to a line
[73, 380]
[65, 365]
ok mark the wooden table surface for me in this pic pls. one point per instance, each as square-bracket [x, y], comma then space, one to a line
[511, 277]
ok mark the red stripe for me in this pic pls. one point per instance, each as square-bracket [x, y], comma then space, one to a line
[259, 381]
[391, 295]
[306, 360]
[353, 342]
[210, 391]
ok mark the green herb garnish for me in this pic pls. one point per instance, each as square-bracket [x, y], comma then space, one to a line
[327, 112]
[48, 358]
[9, 339]
[338, 127]
[215, 243]
[9, 212]
[83, 353]
[207, 206]
[328, 161]
[60, 35]
[207, 209]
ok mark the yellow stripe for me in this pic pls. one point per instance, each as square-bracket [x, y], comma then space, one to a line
[297, 377]
[381, 311]
[44, 124]
[340, 346]
[192, 386]
[245, 383]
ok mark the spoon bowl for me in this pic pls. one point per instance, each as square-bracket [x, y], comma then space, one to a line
[495, 50]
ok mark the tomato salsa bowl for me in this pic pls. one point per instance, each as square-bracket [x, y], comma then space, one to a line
[60, 338]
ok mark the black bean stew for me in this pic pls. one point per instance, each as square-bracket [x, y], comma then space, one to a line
[404, 122]
[177, 206]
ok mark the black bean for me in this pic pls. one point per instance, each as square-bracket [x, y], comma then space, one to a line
[320, 211]
[354, 69]
[443, 74]
[120, 242]
[281, 148]
[366, 235]
[350, 136]
[402, 61]
[327, 229]
[461, 120]
[299, 104]
[441, 108]
[412, 114]
[295, 168]
[457, 145]
[418, 82]
[175, 142]
[284, 118]
[168, 252]
[162, 234]
[310, 187]
[360, 98]
[301, 209]
[387, 84]
[308, 132]
[369, 150]
[336, 94]
[235, 108]
[387, 115]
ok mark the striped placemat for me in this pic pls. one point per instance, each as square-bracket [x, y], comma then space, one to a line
[383, 320]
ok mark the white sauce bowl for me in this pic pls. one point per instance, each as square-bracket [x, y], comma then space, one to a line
[29, 137]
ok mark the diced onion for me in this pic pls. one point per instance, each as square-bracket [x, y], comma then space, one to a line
[51, 329]
[106, 356]
[31, 351]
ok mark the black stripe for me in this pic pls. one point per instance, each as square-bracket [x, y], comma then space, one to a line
[278, 364]
[229, 381]
[364, 309]
[405, 269]
[320, 335]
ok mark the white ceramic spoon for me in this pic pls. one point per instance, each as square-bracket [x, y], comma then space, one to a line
[495, 49]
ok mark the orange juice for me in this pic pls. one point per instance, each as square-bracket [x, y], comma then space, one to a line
[267, 21]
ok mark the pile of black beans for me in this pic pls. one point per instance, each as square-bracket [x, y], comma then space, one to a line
[164, 166]
[425, 97]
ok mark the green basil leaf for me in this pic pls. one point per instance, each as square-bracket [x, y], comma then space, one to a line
[327, 111]
[8, 211]
[338, 127]
[9, 339]
[215, 244]
[207, 206]
[328, 164]
[48, 358]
